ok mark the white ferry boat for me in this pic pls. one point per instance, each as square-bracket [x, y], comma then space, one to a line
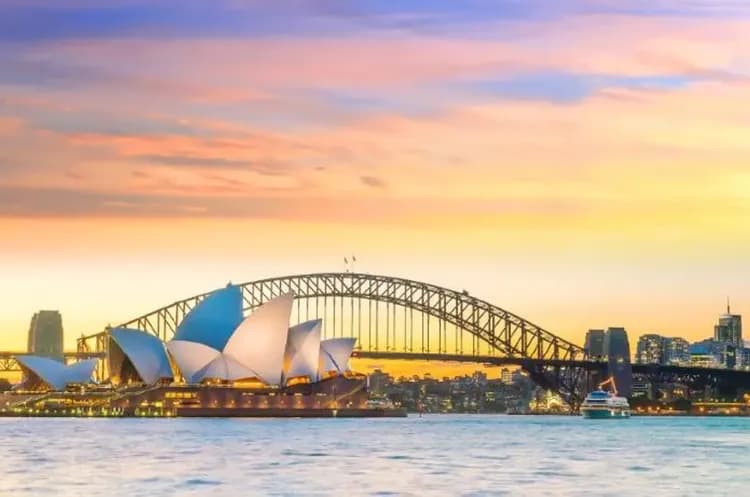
[601, 404]
[605, 405]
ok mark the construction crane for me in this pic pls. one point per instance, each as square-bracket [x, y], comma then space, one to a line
[609, 381]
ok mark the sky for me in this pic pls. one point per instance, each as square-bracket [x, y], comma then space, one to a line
[583, 164]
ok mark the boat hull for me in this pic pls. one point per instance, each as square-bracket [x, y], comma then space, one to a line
[605, 413]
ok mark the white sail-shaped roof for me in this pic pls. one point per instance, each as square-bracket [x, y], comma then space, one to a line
[55, 374]
[224, 367]
[213, 320]
[81, 371]
[191, 358]
[335, 354]
[260, 341]
[145, 351]
[302, 354]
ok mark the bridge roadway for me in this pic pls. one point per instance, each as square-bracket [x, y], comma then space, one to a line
[8, 362]
[478, 359]
[651, 370]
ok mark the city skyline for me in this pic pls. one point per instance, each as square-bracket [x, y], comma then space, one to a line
[581, 165]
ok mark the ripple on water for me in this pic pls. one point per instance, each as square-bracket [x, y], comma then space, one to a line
[430, 456]
[200, 482]
[304, 454]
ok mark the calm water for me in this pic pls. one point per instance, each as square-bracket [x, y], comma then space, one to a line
[434, 455]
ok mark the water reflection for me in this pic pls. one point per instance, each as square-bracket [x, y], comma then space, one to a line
[433, 455]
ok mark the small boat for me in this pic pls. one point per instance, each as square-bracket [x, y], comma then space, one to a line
[601, 404]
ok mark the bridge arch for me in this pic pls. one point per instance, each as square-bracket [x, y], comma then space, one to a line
[502, 332]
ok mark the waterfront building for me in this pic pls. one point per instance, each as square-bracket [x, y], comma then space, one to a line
[260, 350]
[44, 373]
[642, 390]
[379, 382]
[45, 336]
[215, 343]
[729, 356]
[656, 349]
[711, 353]
[506, 376]
[676, 351]
[254, 349]
[650, 349]
[302, 354]
[617, 353]
[729, 329]
[334, 356]
[594, 345]
[137, 357]
[548, 402]
[743, 358]
[220, 363]
[213, 320]
[206, 347]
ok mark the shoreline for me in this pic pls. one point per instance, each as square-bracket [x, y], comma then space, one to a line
[206, 413]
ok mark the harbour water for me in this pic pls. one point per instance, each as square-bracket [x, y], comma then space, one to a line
[433, 455]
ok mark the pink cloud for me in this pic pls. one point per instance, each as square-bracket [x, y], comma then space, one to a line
[587, 154]
[235, 69]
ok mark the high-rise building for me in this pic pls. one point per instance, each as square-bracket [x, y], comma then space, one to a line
[594, 344]
[705, 354]
[711, 353]
[506, 376]
[656, 349]
[729, 356]
[46, 334]
[743, 358]
[729, 329]
[617, 350]
[676, 351]
[643, 390]
[379, 382]
[650, 349]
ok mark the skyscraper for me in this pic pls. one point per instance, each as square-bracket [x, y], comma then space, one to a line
[46, 334]
[594, 344]
[650, 349]
[729, 329]
[676, 351]
[617, 350]
[506, 376]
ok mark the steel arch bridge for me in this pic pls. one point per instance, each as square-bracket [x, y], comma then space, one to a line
[400, 319]
[496, 330]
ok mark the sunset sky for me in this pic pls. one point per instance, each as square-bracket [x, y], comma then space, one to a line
[580, 163]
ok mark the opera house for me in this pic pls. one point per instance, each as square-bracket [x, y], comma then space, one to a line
[219, 363]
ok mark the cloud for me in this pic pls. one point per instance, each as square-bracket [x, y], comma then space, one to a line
[192, 161]
[174, 19]
[564, 87]
[567, 107]
[374, 182]
[31, 202]
[19, 21]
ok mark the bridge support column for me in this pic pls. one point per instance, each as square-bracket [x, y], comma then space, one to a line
[570, 382]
